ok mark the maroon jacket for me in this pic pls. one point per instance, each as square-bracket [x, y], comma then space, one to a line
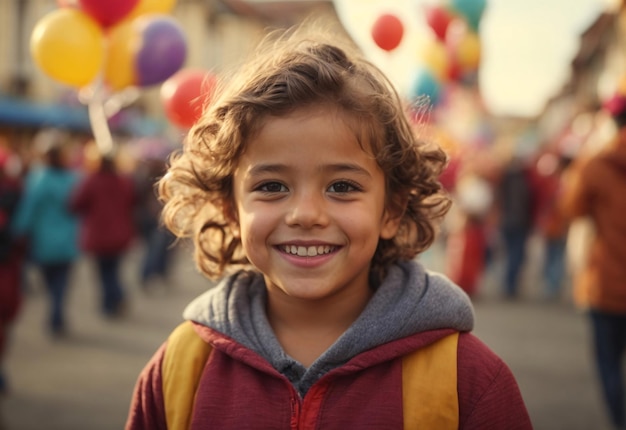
[240, 390]
[105, 202]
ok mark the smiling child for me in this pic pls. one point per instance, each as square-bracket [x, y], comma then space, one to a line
[307, 194]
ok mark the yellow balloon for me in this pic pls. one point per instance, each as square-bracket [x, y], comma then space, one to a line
[468, 51]
[151, 6]
[68, 46]
[435, 57]
[119, 70]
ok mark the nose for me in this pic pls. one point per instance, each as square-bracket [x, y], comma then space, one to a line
[307, 210]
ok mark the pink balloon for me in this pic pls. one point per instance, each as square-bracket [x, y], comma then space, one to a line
[67, 3]
[107, 12]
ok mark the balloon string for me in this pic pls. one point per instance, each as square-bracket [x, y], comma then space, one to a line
[99, 121]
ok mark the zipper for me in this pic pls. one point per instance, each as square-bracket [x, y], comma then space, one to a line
[295, 409]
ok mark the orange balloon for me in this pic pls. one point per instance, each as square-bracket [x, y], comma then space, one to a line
[119, 69]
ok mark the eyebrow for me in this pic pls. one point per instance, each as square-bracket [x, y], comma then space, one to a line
[334, 168]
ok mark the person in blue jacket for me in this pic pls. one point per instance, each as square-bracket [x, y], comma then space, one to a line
[50, 230]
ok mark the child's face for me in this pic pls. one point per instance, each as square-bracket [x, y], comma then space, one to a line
[310, 206]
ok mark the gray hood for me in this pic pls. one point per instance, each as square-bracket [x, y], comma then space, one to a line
[410, 300]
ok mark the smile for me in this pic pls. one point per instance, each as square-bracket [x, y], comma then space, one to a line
[307, 251]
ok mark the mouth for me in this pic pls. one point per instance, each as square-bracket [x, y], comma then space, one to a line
[308, 251]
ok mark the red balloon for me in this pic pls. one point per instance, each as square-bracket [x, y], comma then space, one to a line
[387, 32]
[185, 94]
[454, 70]
[438, 18]
[107, 12]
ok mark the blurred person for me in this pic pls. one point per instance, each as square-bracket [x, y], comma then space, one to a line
[515, 205]
[105, 201]
[11, 257]
[597, 190]
[551, 222]
[158, 241]
[304, 189]
[50, 230]
[467, 239]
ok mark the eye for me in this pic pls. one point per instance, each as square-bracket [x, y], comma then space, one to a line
[271, 187]
[343, 187]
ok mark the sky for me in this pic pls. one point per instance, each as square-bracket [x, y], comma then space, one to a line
[526, 45]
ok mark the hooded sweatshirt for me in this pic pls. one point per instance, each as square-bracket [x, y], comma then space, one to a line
[250, 382]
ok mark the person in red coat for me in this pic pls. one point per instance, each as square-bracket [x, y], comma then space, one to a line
[105, 202]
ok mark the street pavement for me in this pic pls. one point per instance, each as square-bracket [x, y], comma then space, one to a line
[85, 381]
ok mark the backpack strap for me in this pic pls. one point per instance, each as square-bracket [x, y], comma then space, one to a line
[429, 381]
[429, 386]
[185, 356]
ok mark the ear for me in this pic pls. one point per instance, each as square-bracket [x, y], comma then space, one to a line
[393, 216]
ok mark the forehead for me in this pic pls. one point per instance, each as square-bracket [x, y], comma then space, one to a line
[308, 139]
[318, 126]
[326, 121]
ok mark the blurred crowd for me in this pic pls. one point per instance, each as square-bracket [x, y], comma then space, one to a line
[60, 200]
[501, 203]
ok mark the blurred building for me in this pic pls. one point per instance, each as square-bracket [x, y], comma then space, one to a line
[597, 71]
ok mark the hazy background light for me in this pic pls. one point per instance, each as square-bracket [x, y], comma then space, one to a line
[527, 46]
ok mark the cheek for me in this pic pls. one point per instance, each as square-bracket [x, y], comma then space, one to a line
[253, 226]
[362, 227]
[255, 236]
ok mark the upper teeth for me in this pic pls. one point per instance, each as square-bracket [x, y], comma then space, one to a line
[307, 251]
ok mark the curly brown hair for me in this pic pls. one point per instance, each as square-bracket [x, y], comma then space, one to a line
[291, 71]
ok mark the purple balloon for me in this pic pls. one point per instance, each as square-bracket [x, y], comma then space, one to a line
[162, 52]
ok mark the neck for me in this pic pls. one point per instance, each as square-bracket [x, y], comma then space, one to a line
[307, 328]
